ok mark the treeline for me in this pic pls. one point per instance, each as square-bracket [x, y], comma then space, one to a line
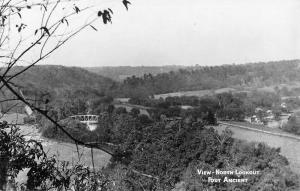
[214, 77]
[226, 106]
[119, 73]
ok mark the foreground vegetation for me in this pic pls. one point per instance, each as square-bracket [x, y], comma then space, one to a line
[160, 153]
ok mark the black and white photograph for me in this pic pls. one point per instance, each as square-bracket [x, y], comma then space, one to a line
[149, 95]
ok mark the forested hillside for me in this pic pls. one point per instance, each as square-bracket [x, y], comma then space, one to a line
[119, 73]
[60, 77]
[56, 84]
[205, 77]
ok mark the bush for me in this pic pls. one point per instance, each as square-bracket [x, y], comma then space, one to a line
[75, 128]
[293, 125]
[29, 120]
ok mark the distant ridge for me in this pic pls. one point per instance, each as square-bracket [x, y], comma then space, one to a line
[119, 73]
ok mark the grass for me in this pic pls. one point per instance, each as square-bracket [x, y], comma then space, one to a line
[201, 93]
[198, 93]
[13, 118]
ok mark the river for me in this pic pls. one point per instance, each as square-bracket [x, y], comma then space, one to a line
[290, 148]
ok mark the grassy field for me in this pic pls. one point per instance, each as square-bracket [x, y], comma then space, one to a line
[129, 107]
[13, 118]
[201, 93]
[272, 88]
[197, 93]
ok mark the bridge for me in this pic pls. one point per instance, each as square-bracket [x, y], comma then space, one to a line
[90, 120]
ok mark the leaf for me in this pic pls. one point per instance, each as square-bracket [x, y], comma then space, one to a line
[100, 13]
[28, 7]
[106, 17]
[77, 10]
[93, 28]
[36, 31]
[125, 2]
[22, 26]
[110, 11]
[63, 20]
[67, 22]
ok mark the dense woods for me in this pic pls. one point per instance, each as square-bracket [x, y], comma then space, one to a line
[213, 77]
[48, 86]
[60, 78]
[119, 73]
[227, 106]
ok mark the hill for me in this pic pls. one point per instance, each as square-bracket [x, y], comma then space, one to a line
[213, 77]
[119, 73]
[61, 77]
[57, 83]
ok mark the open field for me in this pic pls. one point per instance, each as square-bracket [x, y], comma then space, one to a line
[272, 88]
[201, 93]
[129, 107]
[13, 118]
[197, 93]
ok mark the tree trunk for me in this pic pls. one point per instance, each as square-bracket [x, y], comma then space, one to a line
[3, 171]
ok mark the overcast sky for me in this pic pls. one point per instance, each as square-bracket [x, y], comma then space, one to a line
[189, 32]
